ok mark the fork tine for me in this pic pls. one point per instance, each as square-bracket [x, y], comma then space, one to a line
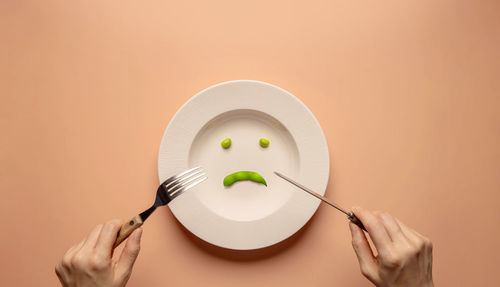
[176, 177]
[189, 177]
[182, 190]
[182, 179]
[181, 184]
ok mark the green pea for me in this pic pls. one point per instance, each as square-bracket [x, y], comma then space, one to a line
[226, 143]
[243, 175]
[264, 142]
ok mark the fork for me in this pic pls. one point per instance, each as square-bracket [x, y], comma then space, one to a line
[167, 191]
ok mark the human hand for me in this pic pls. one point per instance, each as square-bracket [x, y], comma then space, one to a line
[404, 256]
[90, 262]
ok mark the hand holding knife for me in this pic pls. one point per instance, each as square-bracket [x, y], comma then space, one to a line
[349, 214]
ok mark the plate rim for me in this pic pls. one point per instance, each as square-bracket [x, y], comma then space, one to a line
[325, 164]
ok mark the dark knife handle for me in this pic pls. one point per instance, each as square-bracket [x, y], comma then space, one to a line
[355, 220]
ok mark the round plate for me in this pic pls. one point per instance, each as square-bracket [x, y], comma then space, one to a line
[245, 215]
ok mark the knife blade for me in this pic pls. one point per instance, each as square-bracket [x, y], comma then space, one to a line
[349, 214]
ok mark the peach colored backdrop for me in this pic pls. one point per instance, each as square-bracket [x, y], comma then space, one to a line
[407, 93]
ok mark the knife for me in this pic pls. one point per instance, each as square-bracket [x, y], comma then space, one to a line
[349, 214]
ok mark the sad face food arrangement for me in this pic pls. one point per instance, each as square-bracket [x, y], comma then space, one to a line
[244, 175]
[240, 132]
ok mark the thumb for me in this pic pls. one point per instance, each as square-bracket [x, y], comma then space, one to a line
[128, 256]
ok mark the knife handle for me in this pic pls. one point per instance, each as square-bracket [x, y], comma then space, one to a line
[356, 220]
[127, 229]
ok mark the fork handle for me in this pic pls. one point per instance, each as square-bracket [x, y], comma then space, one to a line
[127, 228]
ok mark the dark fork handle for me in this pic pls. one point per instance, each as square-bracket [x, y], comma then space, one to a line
[127, 228]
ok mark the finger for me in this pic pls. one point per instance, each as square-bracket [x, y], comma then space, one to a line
[66, 260]
[425, 239]
[129, 255]
[412, 235]
[376, 230]
[366, 259]
[61, 274]
[107, 238]
[91, 239]
[392, 227]
[361, 245]
[417, 239]
[74, 249]
[422, 244]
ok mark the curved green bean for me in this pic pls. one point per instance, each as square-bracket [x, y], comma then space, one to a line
[244, 175]
[226, 143]
[264, 142]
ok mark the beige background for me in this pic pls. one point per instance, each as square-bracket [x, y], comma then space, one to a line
[407, 93]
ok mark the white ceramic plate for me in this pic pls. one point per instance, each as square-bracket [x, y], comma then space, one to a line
[245, 215]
